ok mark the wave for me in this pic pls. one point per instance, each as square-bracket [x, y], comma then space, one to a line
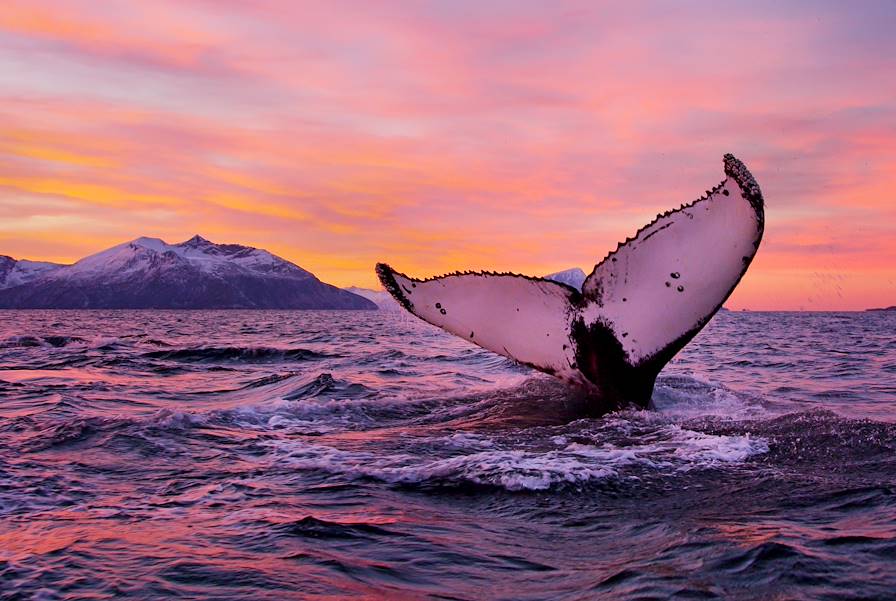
[823, 438]
[314, 416]
[312, 527]
[40, 341]
[688, 396]
[676, 450]
[326, 385]
[69, 432]
[237, 354]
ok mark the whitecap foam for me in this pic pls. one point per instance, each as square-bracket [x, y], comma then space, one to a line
[317, 414]
[512, 470]
[172, 419]
[688, 397]
[466, 440]
[670, 449]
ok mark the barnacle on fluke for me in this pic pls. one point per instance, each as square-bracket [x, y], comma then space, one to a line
[614, 335]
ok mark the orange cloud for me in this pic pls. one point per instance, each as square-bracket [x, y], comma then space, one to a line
[450, 136]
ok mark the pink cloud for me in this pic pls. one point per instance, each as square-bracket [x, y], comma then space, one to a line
[438, 136]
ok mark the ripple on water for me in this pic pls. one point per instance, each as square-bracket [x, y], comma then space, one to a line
[273, 455]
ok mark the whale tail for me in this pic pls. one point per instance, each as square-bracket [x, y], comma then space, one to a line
[639, 306]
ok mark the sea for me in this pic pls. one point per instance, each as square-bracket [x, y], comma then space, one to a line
[368, 455]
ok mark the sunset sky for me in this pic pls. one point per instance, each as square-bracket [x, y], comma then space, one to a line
[521, 136]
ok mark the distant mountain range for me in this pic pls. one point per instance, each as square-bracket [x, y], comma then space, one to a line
[148, 273]
[16, 273]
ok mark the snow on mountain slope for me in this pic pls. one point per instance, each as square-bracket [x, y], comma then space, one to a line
[145, 253]
[382, 298]
[574, 277]
[16, 273]
[150, 273]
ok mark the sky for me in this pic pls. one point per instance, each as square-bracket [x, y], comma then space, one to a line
[511, 136]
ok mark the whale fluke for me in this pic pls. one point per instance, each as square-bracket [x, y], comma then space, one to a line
[637, 308]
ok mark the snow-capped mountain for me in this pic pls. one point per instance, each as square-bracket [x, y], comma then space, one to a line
[196, 274]
[382, 298]
[16, 273]
[574, 277]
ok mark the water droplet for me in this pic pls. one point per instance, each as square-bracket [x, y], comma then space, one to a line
[681, 288]
[675, 275]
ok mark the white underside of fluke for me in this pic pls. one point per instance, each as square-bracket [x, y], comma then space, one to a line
[525, 319]
[652, 294]
[675, 273]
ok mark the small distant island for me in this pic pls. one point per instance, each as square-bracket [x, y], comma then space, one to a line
[893, 308]
[149, 273]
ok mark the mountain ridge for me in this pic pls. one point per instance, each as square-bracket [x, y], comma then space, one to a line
[14, 272]
[381, 298]
[149, 273]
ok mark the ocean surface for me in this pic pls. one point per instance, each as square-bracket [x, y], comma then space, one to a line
[366, 455]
